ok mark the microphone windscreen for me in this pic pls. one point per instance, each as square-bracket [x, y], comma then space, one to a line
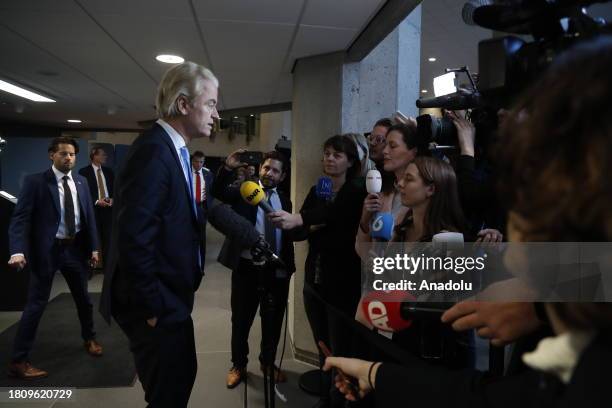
[383, 310]
[252, 192]
[373, 181]
[323, 189]
[451, 240]
[382, 226]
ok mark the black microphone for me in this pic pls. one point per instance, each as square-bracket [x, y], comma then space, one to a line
[235, 227]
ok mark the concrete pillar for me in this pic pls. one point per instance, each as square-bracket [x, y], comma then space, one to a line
[386, 80]
[317, 102]
[272, 126]
[331, 97]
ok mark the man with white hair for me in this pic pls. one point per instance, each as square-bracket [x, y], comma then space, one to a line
[156, 259]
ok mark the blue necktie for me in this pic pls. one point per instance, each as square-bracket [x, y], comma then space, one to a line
[186, 170]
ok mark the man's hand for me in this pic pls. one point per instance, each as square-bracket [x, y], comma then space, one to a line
[103, 203]
[17, 261]
[95, 258]
[355, 368]
[502, 322]
[284, 220]
[233, 160]
[466, 132]
[152, 321]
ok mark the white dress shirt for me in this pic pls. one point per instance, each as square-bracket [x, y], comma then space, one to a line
[62, 231]
[177, 141]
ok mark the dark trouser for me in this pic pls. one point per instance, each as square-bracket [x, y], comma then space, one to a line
[332, 329]
[245, 300]
[104, 222]
[165, 360]
[72, 262]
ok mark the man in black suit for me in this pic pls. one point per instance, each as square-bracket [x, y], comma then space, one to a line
[53, 227]
[245, 296]
[156, 258]
[101, 180]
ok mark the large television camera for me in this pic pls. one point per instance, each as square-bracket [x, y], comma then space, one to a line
[508, 64]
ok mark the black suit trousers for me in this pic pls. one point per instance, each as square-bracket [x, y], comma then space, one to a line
[72, 262]
[165, 360]
[246, 297]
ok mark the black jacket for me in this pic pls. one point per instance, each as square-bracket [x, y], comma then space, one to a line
[332, 246]
[152, 268]
[92, 180]
[426, 385]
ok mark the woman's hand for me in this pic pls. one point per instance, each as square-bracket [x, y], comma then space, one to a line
[355, 368]
[372, 203]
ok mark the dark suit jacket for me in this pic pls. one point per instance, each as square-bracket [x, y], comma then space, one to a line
[208, 180]
[422, 384]
[92, 180]
[231, 249]
[37, 217]
[152, 268]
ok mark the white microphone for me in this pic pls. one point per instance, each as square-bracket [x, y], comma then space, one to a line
[373, 181]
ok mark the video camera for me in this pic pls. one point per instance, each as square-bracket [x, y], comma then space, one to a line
[507, 65]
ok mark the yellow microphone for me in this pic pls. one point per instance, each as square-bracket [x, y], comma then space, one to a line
[253, 194]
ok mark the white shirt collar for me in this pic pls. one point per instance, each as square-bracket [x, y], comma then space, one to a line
[175, 136]
[59, 175]
[95, 167]
[559, 355]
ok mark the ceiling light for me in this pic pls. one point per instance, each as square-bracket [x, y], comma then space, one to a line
[432, 59]
[74, 120]
[235, 117]
[252, 115]
[170, 59]
[423, 90]
[24, 93]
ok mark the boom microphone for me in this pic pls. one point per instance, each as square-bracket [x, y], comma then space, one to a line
[235, 227]
[253, 194]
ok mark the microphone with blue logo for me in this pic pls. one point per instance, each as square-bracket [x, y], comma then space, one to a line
[323, 189]
[381, 228]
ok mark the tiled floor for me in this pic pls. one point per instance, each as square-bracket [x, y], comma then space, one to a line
[211, 317]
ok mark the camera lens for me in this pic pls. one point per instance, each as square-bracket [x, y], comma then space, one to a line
[442, 131]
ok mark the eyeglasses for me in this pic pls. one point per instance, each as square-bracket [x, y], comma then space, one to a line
[374, 140]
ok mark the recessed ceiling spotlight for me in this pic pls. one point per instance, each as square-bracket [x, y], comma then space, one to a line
[432, 59]
[235, 117]
[252, 115]
[423, 90]
[170, 59]
[24, 93]
[74, 120]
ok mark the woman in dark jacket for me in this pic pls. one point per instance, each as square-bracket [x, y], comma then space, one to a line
[330, 222]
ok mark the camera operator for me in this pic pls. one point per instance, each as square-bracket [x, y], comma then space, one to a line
[476, 183]
[554, 159]
[245, 297]
[333, 269]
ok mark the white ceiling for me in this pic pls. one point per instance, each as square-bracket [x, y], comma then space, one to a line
[90, 55]
[96, 55]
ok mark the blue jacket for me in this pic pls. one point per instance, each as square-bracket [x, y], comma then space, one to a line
[37, 217]
[152, 268]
